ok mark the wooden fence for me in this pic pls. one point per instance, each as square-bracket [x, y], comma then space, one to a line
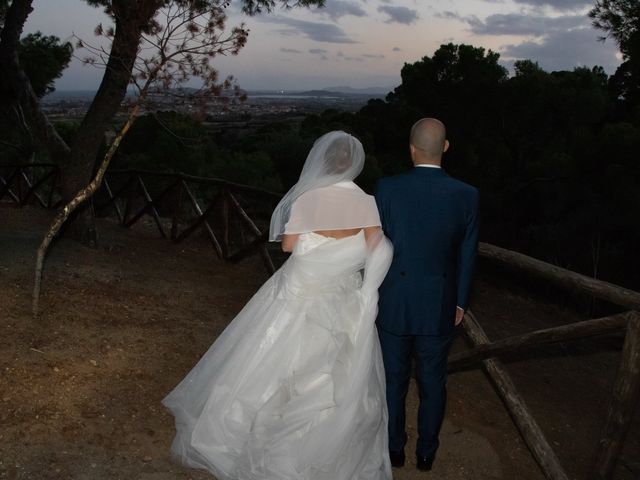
[22, 184]
[626, 390]
[235, 219]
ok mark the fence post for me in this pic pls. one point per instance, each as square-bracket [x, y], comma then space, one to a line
[224, 197]
[176, 211]
[622, 405]
[517, 408]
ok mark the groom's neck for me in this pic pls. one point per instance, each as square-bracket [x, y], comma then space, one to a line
[419, 158]
[427, 161]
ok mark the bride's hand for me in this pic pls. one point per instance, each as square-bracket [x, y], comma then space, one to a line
[289, 241]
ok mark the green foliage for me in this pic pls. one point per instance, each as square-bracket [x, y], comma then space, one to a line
[286, 148]
[67, 129]
[556, 166]
[252, 7]
[620, 19]
[456, 73]
[169, 141]
[4, 6]
[43, 59]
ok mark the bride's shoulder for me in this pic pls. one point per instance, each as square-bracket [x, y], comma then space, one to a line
[337, 193]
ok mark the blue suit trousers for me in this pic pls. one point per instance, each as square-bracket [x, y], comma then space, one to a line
[430, 353]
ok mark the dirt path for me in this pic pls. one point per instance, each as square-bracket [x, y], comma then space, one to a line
[80, 388]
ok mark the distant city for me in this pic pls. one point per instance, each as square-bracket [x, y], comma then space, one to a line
[260, 105]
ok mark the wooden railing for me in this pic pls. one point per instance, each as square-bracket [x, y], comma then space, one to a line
[24, 183]
[234, 217]
[626, 390]
[235, 220]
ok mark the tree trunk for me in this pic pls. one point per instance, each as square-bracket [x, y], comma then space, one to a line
[89, 139]
[85, 193]
[15, 87]
[78, 162]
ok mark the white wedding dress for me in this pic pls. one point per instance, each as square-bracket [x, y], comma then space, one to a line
[293, 389]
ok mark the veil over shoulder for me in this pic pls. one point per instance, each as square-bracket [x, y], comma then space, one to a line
[325, 197]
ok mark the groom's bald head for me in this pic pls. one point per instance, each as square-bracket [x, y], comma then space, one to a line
[429, 140]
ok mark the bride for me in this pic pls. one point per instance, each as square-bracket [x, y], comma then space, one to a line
[293, 389]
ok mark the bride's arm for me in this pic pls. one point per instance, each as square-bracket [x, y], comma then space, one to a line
[372, 235]
[289, 241]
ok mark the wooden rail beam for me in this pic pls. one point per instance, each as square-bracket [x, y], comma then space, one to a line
[204, 181]
[623, 404]
[506, 389]
[572, 331]
[6, 184]
[152, 207]
[176, 211]
[112, 199]
[264, 252]
[114, 196]
[32, 188]
[562, 277]
[243, 215]
[56, 173]
[201, 220]
[150, 204]
[248, 248]
[226, 225]
[128, 188]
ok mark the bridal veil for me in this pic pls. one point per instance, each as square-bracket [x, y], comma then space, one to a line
[325, 197]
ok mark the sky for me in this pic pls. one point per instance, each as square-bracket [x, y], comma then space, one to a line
[365, 43]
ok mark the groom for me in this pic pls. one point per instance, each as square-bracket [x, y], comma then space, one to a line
[431, 219]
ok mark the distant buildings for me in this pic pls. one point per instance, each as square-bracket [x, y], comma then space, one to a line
[73, 105]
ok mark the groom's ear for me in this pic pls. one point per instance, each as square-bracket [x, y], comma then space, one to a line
[446, 146]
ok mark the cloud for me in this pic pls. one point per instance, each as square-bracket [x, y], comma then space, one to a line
[320, 32]
[396, 49]
[557, 43]
[370, 55]
[336, 9]
[290, 50]
[518, 24]
[448, 15]
[350, 58]
[399, 14]
[562, 5]
[319, 52]
[565, 49]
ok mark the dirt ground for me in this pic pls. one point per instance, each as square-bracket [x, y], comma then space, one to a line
[81, 386]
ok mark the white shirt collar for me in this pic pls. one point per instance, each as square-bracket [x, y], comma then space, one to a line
[346, 184]
[428, 165]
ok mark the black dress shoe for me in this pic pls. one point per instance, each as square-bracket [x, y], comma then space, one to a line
[397, 459]
[424, 463]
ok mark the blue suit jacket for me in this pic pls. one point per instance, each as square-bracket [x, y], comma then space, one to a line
[432, 221]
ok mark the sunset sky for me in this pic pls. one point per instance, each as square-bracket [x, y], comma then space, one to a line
[364, 43]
